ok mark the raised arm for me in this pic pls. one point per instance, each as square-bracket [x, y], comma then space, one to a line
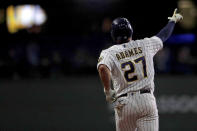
[166, 32]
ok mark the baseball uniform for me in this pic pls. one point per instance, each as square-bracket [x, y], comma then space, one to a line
[132, 73]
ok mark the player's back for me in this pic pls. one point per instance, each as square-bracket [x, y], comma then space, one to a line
[131, 64]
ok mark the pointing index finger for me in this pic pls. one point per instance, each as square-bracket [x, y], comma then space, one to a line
[175, 11]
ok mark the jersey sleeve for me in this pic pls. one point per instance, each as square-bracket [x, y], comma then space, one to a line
[154, 44]
[105, 59]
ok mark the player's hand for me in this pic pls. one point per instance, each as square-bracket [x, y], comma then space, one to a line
[110, 95]
[176, 17]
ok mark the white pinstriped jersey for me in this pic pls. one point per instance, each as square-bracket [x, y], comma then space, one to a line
[131, 64]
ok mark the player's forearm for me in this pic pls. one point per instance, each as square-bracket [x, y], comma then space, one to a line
[166, 32]
[104, 74]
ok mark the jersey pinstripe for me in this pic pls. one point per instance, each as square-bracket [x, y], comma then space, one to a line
[131, 64]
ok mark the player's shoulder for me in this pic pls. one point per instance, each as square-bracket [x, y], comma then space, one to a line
[110, 49]
[153, 38]
[149, 41]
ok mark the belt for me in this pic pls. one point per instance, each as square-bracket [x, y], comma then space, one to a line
[142, 91]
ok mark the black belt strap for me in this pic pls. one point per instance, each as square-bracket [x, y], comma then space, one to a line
[142, 91]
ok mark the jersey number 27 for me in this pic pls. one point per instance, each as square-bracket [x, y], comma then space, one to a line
[128, 72]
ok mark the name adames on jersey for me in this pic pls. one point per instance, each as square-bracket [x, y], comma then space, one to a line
[129, 53]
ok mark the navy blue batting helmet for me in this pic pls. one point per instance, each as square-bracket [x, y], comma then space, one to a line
[121, 30]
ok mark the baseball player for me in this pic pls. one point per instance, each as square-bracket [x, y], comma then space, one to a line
[129, 65]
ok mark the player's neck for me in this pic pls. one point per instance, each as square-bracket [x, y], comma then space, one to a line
[129, 39]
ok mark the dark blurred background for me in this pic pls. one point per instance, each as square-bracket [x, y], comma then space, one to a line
[49, 52]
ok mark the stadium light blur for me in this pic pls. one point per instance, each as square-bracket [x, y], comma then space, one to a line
[182, 39]
[189, 11]
[24, 17]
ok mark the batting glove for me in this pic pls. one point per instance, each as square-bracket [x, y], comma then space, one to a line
[110, 95]
[176, 17]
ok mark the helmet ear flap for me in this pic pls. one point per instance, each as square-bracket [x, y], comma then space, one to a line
[112, 35]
